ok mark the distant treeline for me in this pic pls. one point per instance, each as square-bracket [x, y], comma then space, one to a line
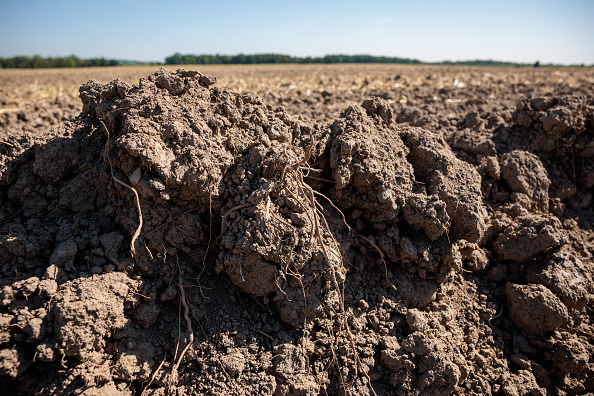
[488, 63]
[34, 62]
[241, 59]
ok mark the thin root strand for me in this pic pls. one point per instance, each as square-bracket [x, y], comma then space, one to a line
[137, 199]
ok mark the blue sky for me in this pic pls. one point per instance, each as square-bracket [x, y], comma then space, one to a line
[429, 30]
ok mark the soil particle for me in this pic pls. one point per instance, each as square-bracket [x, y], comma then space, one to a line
[473, 256]
[13, 362]
[47, 287]
[416, 293]
[157, 138]
[130, 366]
[111, 244]
[290, 366]
[146, 314]
[455, 182]
[568, 354]
[522, 383]
[564, 273]
[554, 119]
[416, 343]
[524, 172]
[64, 254]
[88, 310]
[535, 309]
[528, 237]
[369, 165]
[376, 171]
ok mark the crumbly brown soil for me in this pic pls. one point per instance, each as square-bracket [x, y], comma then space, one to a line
[352, 230]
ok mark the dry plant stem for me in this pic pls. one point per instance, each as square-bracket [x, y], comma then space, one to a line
[137, 233]
[173, 375]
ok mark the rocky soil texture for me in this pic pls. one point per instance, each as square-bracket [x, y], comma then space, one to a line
[429, 232]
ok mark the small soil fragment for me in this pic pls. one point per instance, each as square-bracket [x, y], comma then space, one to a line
[565, 274]
[87, 311]
[528, 237]
[524, 172]
[535, 309]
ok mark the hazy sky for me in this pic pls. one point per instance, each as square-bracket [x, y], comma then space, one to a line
[430, 30]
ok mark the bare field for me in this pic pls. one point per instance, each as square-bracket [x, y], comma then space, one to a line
[45, 90]
[297, 230]
[19, 87]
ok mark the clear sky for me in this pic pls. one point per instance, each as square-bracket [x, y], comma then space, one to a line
[429, 30]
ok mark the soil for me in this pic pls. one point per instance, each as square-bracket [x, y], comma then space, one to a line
[427, 232]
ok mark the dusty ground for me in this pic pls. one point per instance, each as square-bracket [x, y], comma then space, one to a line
[297, 230]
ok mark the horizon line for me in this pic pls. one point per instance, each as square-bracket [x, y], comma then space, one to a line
[417, 61]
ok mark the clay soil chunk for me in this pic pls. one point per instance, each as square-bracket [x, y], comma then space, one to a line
[528, 237]
[535, 309]
[524, 172]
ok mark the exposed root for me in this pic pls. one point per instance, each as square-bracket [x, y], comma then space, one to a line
[169, 222]
[381, 254]
[11, 110]
[496, 316]
[145, 387]
[137, 233]
[335, 207]
[292, 180]
[231, 380]
[319, 179]
[224, 220]
[334, 356]
[174, 374]
[207, 246]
